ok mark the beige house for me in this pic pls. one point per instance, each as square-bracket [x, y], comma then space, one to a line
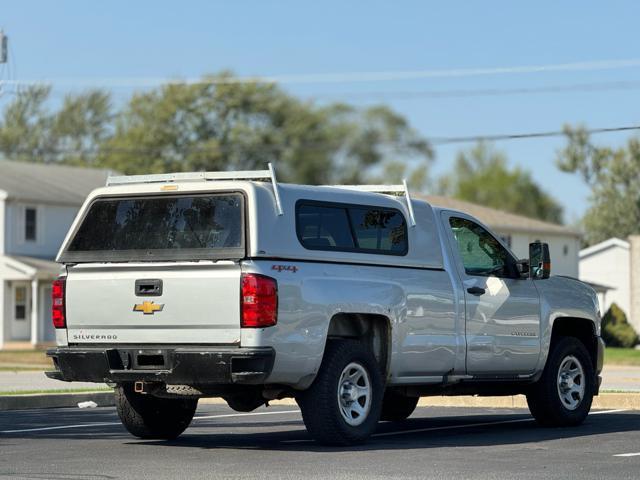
[518, 231]
[37, 205]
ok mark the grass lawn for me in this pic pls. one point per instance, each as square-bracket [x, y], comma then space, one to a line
[59, 390]
[24, 358]
[621, 356]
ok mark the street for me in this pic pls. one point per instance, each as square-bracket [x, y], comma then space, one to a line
[272, 443]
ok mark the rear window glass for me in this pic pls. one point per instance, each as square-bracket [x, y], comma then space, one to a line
[324, 227]
[170, 228]
[351, 228]
[378, 229]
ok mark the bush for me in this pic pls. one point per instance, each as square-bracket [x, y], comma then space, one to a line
[616, 331]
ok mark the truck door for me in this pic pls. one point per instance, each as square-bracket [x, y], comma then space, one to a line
[502, 308]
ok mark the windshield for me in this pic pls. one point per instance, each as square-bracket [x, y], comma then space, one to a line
[160, 228]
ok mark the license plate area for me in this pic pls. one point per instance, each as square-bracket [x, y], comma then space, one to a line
[150, 360]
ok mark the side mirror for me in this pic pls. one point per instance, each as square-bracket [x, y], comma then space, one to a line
[539, 260]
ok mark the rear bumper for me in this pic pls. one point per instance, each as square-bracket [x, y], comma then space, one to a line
[173, 365]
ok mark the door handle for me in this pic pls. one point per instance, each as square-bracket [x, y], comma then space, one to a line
[148, 288]
[476, 291]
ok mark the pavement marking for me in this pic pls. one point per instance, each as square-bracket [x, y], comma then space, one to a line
[61, 427]
[104, 424]
[628, 455]
[245, 414]
[608, 411]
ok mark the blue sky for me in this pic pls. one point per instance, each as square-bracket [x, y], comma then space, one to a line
[90, 41]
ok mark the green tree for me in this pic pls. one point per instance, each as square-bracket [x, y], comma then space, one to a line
[216, 124]
[30, 131]
[613, 174]
[220, 124]
[482, 175]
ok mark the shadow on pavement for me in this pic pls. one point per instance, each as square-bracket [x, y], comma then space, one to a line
[291, 435]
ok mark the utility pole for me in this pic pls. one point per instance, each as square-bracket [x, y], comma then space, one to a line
[4, 46]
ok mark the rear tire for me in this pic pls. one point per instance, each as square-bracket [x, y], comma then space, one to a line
[396, 407]
[343, 405]
[149, 417]
[563, 395]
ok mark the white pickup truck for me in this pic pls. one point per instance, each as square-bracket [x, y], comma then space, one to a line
[355, 301]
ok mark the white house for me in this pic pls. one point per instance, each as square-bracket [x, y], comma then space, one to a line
[615, 263]
[37, 205]
[518, 232]
[607, 263]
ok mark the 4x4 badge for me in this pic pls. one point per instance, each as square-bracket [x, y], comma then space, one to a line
[148, 308]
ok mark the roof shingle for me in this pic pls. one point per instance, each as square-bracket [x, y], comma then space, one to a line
[58, 184]
[498, 219]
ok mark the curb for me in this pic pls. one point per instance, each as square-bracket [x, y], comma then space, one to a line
[54, 400]
[626, 401]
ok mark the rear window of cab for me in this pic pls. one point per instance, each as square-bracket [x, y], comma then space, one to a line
[151, 228]
[351, 228]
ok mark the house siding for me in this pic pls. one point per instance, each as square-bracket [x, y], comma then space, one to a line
[52, 224]
[609, 267]
[564, 261]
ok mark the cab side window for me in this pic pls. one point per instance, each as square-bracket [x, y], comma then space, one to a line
[351, 228]
[481, 253]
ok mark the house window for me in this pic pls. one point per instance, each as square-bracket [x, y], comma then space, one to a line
[20, 312]
[30, 224]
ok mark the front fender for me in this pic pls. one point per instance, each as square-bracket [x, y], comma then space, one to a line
[564, 297]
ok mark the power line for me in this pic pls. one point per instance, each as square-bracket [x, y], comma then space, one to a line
[487, 92]
[311, 146]
[343, 77]
[385, 95]
[521, 136]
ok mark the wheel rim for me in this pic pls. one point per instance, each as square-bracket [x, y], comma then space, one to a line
[571, 382]
[354, 394]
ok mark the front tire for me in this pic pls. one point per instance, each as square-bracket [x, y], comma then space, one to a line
[563, 395]
[343, 405]
[149, 417]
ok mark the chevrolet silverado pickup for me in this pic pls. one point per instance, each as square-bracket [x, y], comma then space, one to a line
[354, 300]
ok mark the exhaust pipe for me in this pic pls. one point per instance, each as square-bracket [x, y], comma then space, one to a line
[139, 387]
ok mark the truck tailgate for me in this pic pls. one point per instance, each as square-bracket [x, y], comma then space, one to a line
[173, 302]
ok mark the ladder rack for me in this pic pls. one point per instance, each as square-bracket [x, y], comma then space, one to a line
[268, 175]
[398, 190]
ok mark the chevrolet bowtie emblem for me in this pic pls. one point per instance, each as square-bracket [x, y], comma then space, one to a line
[148, 308]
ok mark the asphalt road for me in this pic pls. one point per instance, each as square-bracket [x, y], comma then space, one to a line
[435, 442]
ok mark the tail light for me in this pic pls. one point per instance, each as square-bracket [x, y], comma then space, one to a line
[259, 301]
[57, 303]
